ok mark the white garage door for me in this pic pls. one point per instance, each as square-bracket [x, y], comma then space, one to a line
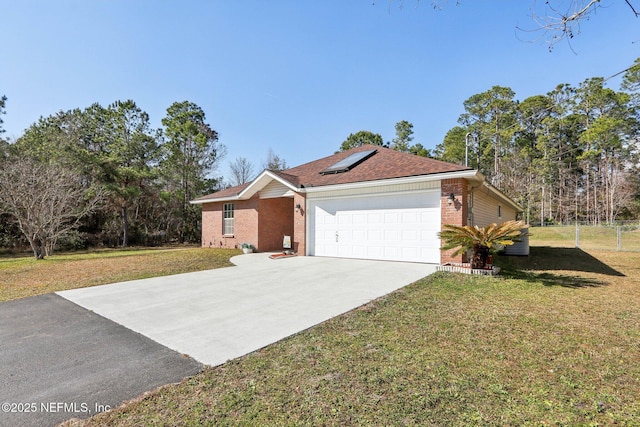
[394, 228]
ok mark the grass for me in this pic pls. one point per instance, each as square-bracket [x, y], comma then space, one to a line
[590, 237]
[555, 340]
[25, 276]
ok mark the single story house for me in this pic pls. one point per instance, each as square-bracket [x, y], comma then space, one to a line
[369, 202]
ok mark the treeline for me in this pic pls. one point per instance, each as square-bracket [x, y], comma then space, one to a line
[103, 176]
[569, 155]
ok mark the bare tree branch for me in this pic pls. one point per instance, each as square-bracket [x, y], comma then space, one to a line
[46, 200]
[241, 171]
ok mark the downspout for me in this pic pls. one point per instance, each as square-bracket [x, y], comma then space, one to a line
[470, 220]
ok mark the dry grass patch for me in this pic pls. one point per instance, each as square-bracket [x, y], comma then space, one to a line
[555, 341]
[22, 277]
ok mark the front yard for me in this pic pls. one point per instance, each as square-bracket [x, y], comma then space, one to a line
[24, 276]
[554, 340]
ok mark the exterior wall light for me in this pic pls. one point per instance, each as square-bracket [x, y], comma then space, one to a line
[451, 199]
[298, 207]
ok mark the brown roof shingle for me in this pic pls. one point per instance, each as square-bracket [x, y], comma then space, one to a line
[384, 164]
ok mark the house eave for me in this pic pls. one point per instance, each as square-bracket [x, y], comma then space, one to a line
[256, 185]
[471, 175]
[214, 200]
[267, 176]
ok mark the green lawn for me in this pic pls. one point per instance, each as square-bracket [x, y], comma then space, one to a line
[24, 276]
[590, 237]
[554, 340]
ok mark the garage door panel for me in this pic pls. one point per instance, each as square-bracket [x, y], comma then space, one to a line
[412, 217]
[410, 253]
[360, 235]
[359, 219]
[411, 234]
[374, 235]
[399, 228]
[374, 218]
[391, 218]
[360, 252]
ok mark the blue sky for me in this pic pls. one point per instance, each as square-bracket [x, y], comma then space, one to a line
[294, 76]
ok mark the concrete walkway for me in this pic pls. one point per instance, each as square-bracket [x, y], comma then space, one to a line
[217, 315]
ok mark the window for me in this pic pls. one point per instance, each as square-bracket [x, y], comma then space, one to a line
[227, 219]
[499, 211]
[349, 163]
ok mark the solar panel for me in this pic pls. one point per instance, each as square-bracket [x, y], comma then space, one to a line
[348, 162]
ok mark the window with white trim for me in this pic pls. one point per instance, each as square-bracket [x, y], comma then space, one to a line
[227, 219]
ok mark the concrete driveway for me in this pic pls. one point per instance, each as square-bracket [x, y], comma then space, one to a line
[217, 315]
[88, 350]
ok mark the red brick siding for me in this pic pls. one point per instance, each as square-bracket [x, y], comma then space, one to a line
[245, 224]
[261, 222]
[455, 213]
[275, 219]
[300, 225]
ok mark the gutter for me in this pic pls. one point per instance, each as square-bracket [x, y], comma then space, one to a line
[471, 174]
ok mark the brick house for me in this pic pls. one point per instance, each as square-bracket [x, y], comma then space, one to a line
[370, 202]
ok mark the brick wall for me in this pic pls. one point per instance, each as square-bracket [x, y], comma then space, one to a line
[454, 213]
[300, 225]
[275, 218]
[245, 227]
[261, 222]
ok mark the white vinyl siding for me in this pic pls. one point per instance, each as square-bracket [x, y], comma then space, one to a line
[487, 210]
[228, 219]
[275, 189]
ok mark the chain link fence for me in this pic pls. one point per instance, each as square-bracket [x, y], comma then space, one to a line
[621, 236]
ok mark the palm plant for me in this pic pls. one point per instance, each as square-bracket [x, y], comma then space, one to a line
[480, 241]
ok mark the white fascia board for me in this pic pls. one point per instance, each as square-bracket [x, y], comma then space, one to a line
[261, 181]
[218, 199]
[256, 185]
[472, 175]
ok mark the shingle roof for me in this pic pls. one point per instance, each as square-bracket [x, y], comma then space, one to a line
[227, 192]
[384, 164]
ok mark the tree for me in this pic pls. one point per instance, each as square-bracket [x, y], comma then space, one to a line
[130, 154]
[404, 135]
[491, 117]
[452, 149]
[480, 241]
[560, 20]
[360, 138]
[3, 100]
[274, 162]
[191, 153]
[241, 171]
[47, 200]
[419, 150]
[557, 20]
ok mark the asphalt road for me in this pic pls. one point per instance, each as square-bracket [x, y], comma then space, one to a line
[60, 361]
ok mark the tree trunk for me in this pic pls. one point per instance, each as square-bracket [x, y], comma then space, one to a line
[479, 256]
[125, 226]
[36, 246]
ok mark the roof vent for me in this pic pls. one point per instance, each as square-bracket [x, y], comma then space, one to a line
[349, 162]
